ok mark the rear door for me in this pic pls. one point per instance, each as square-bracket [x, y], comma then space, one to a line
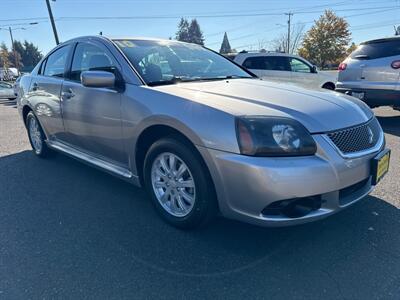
[273, 68]
[45, 91]
[92, 116]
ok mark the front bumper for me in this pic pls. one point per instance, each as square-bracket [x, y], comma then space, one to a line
[246, 185]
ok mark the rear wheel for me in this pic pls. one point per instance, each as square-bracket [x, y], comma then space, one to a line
[179, 184]
[329, 86]
[36, 136]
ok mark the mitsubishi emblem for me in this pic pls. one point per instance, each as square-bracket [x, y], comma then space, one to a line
[370, 136]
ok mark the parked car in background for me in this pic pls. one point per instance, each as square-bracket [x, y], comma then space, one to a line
[284, 67]
[201, 133]
[372, 73]
[9, 74]
[7, 91]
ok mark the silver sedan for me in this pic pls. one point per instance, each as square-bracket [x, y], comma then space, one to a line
[200, 133]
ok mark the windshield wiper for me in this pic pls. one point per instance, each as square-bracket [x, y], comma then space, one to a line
[177, 79]
[173, 80]
[222, 77]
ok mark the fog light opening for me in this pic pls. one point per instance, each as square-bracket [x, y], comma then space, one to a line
[293, 208]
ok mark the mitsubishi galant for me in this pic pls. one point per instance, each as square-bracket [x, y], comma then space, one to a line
[202, 134]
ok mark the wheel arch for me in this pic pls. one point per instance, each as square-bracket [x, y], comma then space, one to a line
[329, 85]
[155, 131]
[25, 111]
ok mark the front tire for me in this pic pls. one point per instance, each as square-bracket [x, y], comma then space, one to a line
[179, 184]
[36, 136]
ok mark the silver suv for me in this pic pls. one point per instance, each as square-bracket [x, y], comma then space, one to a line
[372, 73]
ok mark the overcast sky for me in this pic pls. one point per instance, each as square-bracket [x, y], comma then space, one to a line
[247, 22]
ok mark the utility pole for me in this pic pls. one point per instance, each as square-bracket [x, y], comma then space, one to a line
[53, 24]
[289, 14]
[14, 52]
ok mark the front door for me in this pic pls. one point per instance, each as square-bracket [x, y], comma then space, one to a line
[92, 116]
[302, 73]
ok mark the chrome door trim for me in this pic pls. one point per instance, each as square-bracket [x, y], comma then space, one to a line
[94, 161]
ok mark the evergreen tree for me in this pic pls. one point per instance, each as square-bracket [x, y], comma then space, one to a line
[190, 33]
[225, 46]
[195, 33]
[183, 31]
[31, 55]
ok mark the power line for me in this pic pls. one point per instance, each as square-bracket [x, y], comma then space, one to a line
[229, 15]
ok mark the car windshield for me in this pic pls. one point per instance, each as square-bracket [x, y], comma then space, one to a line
[169, 62]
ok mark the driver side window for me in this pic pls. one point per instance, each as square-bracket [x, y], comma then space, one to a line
[299, 66]
[89, 57]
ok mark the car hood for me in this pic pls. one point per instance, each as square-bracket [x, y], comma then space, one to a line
[318, 111]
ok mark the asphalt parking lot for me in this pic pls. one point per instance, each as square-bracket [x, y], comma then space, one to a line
[70, 231]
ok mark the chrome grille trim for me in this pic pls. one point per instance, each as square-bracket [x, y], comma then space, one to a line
[353, 141]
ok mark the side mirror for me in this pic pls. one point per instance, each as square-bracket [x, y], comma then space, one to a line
[100, 79]
[314, 69]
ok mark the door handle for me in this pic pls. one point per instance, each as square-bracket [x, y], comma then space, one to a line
[69, 93]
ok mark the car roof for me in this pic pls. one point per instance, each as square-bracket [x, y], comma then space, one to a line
[113, 38]
[265, 54]
[382, 40]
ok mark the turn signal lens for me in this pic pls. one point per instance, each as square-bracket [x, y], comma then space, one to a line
[245, 139]
[396, 64]
[342, 67]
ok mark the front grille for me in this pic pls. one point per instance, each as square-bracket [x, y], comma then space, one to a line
[357, 138]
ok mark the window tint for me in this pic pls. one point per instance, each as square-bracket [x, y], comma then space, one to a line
[88, 57]
[55, 65]
[299, 66]
[273, 63]
[377, 50]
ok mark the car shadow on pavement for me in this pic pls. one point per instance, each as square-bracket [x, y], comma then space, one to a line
[8, 102]
[390, 124]
[70, 230]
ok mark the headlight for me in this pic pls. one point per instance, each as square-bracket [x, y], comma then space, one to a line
[273, 136]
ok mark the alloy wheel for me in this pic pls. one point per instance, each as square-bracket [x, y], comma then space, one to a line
[173, 184]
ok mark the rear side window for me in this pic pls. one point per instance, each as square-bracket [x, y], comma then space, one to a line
[56, 62]
[377, 50]
[89, 57]
[273, 63]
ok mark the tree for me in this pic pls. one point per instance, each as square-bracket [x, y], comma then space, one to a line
[327, 40]
[225, 46]
[190, 33]
[296, 35]
[4, 56]
[31, 55]
[352, 47]
[183, 31]
[195, 33]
